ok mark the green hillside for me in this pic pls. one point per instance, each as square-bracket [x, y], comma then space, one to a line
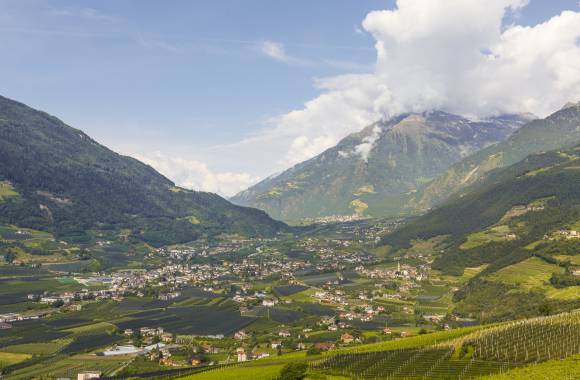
[56, 178]
[558, 130]
[521, 223]
[375, 171]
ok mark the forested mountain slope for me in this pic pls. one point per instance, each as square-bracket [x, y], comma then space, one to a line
[56, 178]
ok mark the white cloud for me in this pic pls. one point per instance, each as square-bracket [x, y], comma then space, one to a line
[456, 55]
[274, 50]
[277, 52]
[86, 13]
[364, 149]
[196, 175]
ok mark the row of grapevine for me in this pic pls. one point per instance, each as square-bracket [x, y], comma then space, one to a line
[531, 340]
[482, 352]
[425, 363]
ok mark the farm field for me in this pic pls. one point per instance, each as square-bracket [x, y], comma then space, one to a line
[532, 273]
[10, 358]
[496, 233]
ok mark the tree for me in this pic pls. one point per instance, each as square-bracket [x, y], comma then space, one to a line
[293, 371]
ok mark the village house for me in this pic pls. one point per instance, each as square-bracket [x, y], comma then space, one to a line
[88, 375]
[260, 355]
[346, 338]
[242, 356]
[324, 346]
[241, 335]
[268, 302]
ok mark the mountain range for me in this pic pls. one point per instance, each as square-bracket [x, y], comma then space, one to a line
[560, 129]
[376, 171]
[56, 178]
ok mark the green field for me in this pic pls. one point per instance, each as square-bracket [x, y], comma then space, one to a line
[7, 191]
[10, 358]
[551, 370]
[492, 234]
[532, 273]
[249, 372]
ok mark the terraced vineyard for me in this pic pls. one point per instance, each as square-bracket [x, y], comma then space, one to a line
[427, 363]
[467, 353]
[532, 340]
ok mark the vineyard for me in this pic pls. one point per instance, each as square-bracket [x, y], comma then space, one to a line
[532, 340]
[497, 350]
[482, 352]
[426, 363]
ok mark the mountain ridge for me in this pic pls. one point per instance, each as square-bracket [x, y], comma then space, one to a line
[68, 183]
[373, 171]
[558, 130]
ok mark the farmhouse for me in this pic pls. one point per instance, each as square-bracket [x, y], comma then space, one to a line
[324, 346]
[242, 356]
[347, 338]
[195, 361]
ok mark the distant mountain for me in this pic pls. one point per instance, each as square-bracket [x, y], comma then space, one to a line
[374, 172]
[56, 178]
[558, 130]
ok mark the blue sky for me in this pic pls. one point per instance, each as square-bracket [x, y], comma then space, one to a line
[188, 79]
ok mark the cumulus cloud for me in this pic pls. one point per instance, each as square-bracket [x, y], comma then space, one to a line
[196, 175]
[455, 55]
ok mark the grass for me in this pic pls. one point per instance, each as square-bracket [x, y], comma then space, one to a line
[575, 260]
[303, 296]
[492, 234]
[38, 348]
[569, 293]
[95, 327]
[7, 191]
[468, 274]
[568, 368]
[10, 358]
[532, 273]
[240, 373]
